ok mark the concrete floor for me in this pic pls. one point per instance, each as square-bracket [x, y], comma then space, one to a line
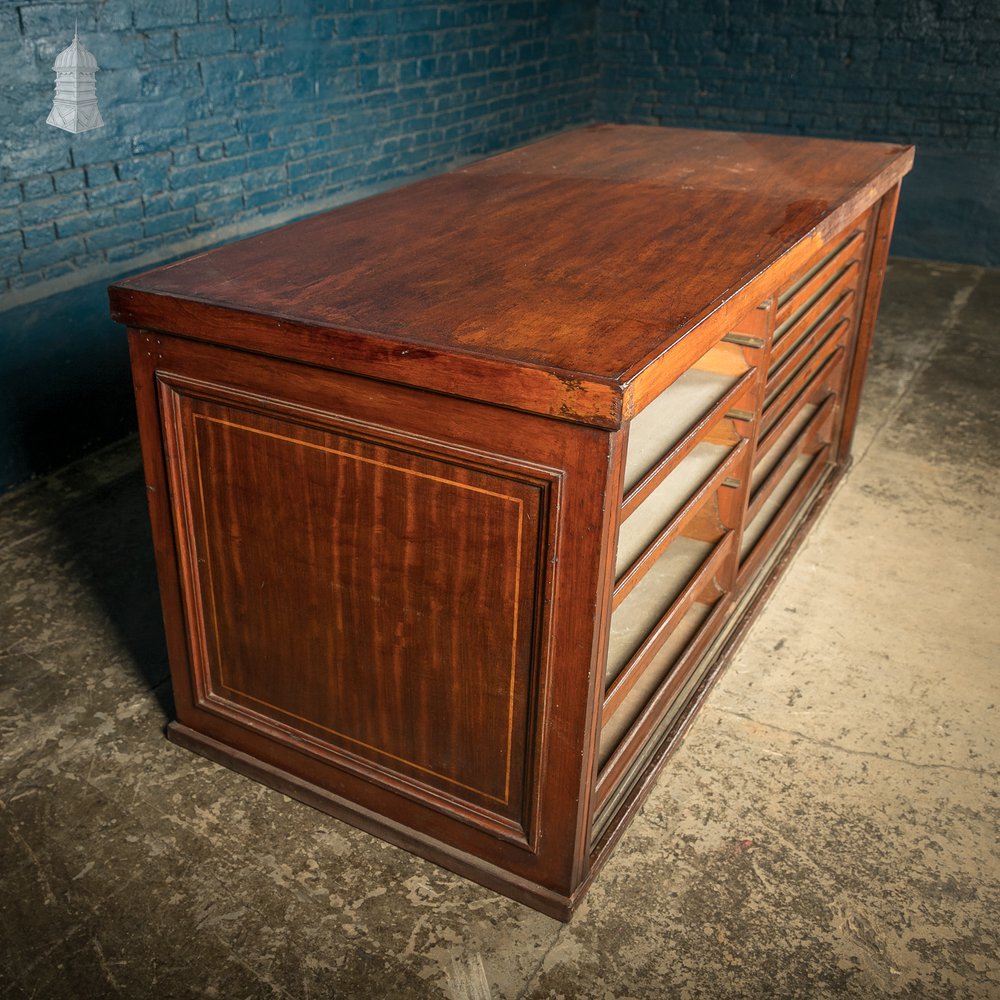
[829, 827]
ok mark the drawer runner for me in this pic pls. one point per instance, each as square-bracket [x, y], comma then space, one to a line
[628, 580]
[625, 681]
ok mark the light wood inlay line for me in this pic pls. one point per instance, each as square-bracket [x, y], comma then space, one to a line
[209, 559]
[356, 458]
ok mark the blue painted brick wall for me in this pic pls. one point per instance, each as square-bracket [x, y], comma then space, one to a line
[229, 116]
[221, 114]
[920, 71]
[225, 117]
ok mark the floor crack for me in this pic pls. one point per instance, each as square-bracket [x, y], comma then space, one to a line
[828, 744]
[541, 963]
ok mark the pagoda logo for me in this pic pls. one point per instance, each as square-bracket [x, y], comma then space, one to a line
[75, 106]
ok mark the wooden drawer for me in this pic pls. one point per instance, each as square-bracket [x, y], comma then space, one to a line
[656, 636]
[832, 274]
[815, 318]
[687, 461]
[694, 408]
[671, 511]
[784, 475]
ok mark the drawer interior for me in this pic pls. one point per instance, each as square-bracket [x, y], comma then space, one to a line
[687, 462]
[807, 440]
[665, 502]
[634, 620]
[683, 414]
[659, 667]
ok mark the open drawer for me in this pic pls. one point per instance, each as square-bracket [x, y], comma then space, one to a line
[657, 637]
[710, 402]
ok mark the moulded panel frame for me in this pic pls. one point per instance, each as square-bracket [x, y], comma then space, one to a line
[178, 396]
[574, 464]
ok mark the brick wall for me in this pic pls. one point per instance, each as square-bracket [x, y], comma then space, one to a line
[223, 113]
[225, 117]
[229, 116]
[920, 71]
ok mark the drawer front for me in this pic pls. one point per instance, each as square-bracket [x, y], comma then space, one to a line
[817, 307]
[816, 316]
[657, 636]
[686, 468]
[777, 484]
[834, 272]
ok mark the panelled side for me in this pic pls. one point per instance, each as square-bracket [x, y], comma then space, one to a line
[384, 616]
[387, 596]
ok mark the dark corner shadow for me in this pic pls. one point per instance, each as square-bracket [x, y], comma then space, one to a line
[65, 391]
[108, 535]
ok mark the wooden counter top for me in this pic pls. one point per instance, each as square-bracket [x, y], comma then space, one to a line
[546, 278]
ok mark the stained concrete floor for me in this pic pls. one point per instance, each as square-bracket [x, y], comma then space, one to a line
[829, 827]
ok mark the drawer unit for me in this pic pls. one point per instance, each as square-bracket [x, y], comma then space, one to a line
[686, 456]
[816, 314]
[462, 495]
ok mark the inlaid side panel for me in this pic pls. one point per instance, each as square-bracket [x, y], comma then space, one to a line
[382, 614]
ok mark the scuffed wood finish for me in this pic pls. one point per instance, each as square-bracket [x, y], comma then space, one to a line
[461, 493]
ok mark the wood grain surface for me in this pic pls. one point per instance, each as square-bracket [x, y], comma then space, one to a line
[585, 256]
